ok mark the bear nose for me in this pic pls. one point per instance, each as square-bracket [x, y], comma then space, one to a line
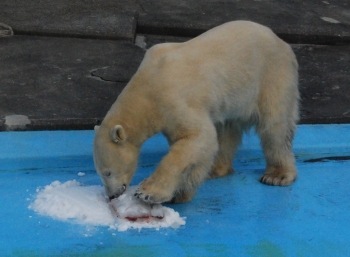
[120, 191]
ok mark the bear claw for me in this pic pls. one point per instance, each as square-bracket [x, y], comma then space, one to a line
[145, 198]
[276, 180]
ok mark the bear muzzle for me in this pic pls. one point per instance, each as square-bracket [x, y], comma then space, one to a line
[118, 192]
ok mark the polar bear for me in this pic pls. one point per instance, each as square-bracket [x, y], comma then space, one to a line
[203, 94]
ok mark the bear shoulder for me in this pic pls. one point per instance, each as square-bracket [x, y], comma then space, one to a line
[161, 52]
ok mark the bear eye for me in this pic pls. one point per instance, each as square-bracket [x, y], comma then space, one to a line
[107, 174]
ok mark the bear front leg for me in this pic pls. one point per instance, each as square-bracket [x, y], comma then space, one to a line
[185, 167]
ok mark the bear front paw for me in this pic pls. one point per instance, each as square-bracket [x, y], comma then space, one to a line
[144, 197]
[152, 192]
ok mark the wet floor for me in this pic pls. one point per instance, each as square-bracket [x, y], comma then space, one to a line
[231, 216]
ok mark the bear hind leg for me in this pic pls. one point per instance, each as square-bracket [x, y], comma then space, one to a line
[278, 113]
[229, 138]
[280, 161]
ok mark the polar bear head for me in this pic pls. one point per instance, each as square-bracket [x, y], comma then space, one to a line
[115, 159]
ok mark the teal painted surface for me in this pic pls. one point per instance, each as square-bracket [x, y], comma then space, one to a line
[232, 216]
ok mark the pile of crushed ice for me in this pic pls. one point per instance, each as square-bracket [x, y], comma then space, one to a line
[89, 205]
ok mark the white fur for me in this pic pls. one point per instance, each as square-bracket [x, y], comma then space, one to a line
[203, 94]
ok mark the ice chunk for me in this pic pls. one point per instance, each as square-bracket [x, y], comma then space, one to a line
[129, 207]
[90, 205]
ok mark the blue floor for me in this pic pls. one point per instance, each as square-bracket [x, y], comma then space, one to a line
[231, 216]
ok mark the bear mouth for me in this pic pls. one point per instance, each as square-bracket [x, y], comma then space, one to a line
[120, 191]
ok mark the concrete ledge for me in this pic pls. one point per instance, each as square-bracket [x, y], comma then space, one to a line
[65, 83]
[62, 83]
[298, 22]
[306, 22]
[70, 83]
[324, 83]
[96, 19]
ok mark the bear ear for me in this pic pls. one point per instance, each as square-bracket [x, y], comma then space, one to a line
[117, 134]
[96, 128]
